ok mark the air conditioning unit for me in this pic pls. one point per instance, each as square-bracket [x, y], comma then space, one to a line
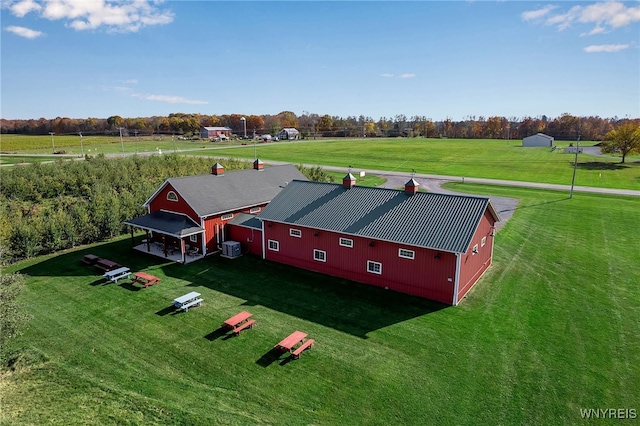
[231, 249]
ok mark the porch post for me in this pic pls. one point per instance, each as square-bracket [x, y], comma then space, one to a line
[132, 241]
[182, 249]
[148, 241]
[164, 245]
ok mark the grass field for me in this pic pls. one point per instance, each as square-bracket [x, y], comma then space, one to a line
[552, 328]
[496, 159]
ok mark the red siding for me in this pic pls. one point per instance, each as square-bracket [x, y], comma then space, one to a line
[425, 276]
[160, 202]
[472, 266]
[250, 239]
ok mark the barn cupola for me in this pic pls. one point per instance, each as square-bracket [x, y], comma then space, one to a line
[258, 164]
[349, 181]
[411, 187]
[217, 169]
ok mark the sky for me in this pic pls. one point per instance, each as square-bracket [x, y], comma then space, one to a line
[447, 59]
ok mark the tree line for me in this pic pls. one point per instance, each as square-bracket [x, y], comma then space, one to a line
[564, 127]
[45, 208]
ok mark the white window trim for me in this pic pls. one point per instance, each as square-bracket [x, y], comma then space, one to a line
[254, 210]
[295, 232]
[274, 245]
[409, 254]
[474, 250]
[348, 244]
[226, 216]
[172, 196]
[193, 238]
[323, 256]
[484, 241]
[372, 263]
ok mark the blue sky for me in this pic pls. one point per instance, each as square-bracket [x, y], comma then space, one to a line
[98, 58]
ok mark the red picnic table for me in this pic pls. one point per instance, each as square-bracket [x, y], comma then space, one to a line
[290, 341]
[145, 279]
[239, 322]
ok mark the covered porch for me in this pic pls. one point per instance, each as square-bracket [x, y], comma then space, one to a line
[172, 236]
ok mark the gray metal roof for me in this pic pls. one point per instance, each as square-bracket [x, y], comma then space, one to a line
[213, 194]
[436, 221]
[174, 224]
[247, 220]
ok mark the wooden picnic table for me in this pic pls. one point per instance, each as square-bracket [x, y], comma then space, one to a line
[106, 265]
[236, 319]
[116, 274]
[89, 259]
[145, 279]
[290, 341]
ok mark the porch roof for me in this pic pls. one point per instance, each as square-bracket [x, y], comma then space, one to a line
[176, 225]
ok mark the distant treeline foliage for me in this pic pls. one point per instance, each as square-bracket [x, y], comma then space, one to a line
[565, 127]
[49, 207]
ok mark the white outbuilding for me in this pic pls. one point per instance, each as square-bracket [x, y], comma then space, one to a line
[539, 139]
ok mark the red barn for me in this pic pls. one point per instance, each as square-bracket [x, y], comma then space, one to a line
[430, 245]
[188, 216]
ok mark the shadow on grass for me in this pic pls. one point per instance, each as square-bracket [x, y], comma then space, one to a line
[353, 308]
[270, 357]
[129, 286]
[216, 334]
[67, 264]
[344, 305]
[600, 165]
[542, 204]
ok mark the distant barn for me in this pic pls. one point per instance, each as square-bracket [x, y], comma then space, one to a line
[289, 133]
[539, 139]
[215, 132]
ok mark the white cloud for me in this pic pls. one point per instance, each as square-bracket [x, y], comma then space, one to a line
[537, 14]
[131, 81]
[24, 32]
[607, 48]
[24, 7]
[169, 99]
[114, 15]
[407, 75]
[387, 75]
[604, 15]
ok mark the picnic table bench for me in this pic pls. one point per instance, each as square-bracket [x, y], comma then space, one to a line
[239, 322]
[106, 265]
[89, 259]
[146, 279]
[187, 301]
[306, 345]
[116, 274]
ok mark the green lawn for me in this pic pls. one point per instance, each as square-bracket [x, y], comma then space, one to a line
[20, 159]
[551, 328]
[496, 159]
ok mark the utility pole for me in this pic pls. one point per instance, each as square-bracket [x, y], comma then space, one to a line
[81, 147]
[53, 145]
[121, 143]
[575, 166]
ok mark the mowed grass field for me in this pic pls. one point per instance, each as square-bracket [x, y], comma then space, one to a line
[550, 329]
[495, 159]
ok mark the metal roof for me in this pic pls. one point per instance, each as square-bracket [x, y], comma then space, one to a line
[437, 221]
[247, 220]
[178, 225]
[211, 194]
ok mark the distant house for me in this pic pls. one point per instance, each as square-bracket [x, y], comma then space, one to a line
[215, 132]
[289, 133]
[188, 216]
[539, 139]
[429, 245]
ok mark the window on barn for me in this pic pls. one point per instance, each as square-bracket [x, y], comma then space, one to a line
[172, 196]
[484, 241]
[193, 238]
[374, 267]
[346, 242]
[227, 216]
[295, 232]
[274, 245]
[254, 210]
[475, 249]
[407, 254]
[319, 255]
